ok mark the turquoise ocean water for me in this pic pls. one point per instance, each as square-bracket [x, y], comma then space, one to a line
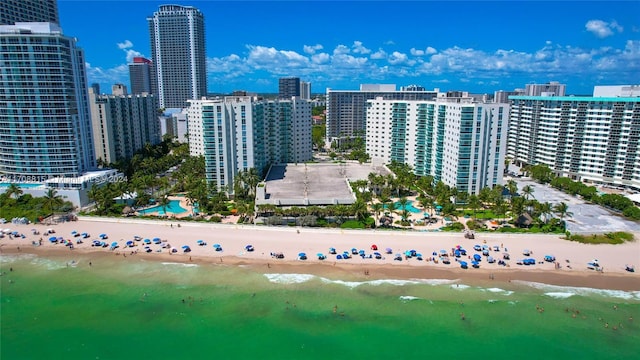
[138, 309]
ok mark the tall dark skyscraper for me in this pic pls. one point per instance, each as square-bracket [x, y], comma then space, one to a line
[13, 11]
[141, 76]
[178, 54]
[288, 87]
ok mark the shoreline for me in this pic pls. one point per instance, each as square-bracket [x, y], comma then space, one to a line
[291, 241]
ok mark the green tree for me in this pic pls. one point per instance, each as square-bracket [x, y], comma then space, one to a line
[52, 200]
[377, 208]
[14, 190]
[527, 191]
[562, 210]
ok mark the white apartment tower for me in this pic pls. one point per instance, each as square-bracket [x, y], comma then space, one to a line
[123, 124]
[347, 109]
[238, 133]
[594, 139]
[45, 128]
[178, 55]
[456, 140]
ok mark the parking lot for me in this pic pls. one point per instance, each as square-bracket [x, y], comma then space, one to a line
[586, 218]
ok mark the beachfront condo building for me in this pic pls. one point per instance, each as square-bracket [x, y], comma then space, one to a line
[15, 11]
[305, 90]
[347, 109]
[45, 127]
[178, 55]
[457, 140]
[552, 88]
[123, 124]
[141, 76]
[239, 132]
[591, 139]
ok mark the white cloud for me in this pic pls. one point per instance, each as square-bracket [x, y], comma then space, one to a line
[311, 49]
[320, 58]
[397, 58]
[125, 45]
[603, 29]
[358, 48]
[416, 52]
[380, 54]
[431, 50]
[341, 49]
[389, 42]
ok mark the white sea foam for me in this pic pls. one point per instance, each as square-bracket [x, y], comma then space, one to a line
[499, 291]
[559, 295]
[460, 286]
[180, 264]
[9, 259]
[409, 298]
[301, 278]
[289, 278]
[567, 291]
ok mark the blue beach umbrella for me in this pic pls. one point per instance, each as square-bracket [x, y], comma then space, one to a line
[463, 264]
[53, 239]
[129, 243]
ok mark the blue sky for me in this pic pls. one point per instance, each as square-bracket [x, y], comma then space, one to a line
[476, 46]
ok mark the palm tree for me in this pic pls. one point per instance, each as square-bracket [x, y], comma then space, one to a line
[404, 213]
[13, 190]
[377, 208]
[474, 204]
[545, 209]
[562, 210]
[512, 187]
[52, 200]
[359, 209]
[527, 191]
[164, 203]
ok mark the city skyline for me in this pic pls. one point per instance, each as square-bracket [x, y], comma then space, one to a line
[472, 46]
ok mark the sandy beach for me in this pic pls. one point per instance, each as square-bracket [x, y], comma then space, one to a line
[571, 257]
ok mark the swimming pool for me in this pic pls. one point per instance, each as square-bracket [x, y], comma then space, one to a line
[172, 208]
[409, 207]
[21, 185]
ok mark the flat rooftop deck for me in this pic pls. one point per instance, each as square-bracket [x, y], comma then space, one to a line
[314, 184]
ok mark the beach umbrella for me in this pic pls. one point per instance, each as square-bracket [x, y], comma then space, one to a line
[377, 255]
[114, 244]
[361, 252]
[186, 248]
[137, 238]
[463, 264]
[339, 257]
[53, 239]
[374, 247]
[74, 232]
[129, 243]
[442, 252]
[477, 257]
[200, 241]
[104, 236]
[249, 247]
[156, 239]
[332, 250]
[475, 264]
[388, 250]
[456, 253]
[302, 256]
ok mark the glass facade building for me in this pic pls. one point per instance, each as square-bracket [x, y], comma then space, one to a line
[45, 128]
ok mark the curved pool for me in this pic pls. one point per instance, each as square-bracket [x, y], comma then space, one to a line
[172, 208]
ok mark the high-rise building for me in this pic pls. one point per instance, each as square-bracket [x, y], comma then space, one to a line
[552, 88]
[45, 128]
[178, 55]
[15, 11]
[288, 87]
[502, 96]
[238, 133]
[305, 90]
[616, 91]
[123, 124]
[593, 139]
[287, 124]
[347, 109]
[141, 76]
[458, 141]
